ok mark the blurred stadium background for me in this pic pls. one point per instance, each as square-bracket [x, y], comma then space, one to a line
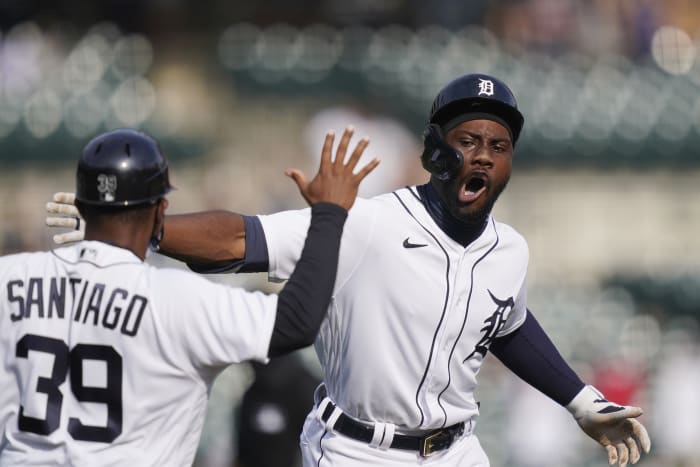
[606, 186]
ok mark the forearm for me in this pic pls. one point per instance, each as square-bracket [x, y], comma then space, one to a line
[304, 300]
[204, 237]
[530, 354]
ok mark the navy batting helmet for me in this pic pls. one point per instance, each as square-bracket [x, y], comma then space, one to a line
[469, 97]
[122, 167]
[477, 93]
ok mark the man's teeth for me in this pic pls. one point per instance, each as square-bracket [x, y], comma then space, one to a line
[470, 191]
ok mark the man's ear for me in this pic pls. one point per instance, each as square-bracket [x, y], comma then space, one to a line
[160, 214]
[158, 224]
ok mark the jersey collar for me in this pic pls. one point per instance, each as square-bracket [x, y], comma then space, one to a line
[98, 253]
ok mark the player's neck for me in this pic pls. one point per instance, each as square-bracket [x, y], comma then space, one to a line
[458, 231]
[136, 242]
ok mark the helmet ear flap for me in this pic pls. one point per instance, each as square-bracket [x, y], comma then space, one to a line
[439, 158]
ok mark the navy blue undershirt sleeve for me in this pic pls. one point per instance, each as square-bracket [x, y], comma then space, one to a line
[304, 300]
[256, 257]
[530, 354]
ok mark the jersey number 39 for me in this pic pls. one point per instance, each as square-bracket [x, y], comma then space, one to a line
[71, 361]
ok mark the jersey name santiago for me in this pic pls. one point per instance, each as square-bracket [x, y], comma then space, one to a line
[99, 350]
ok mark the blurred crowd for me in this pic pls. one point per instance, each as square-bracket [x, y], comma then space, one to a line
[587, 72]
[238, 91]
[552, 26]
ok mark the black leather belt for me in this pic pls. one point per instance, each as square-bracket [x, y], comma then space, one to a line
[428, 444]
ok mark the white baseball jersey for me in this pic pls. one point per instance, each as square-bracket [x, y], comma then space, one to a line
[106, 360]
[413, 311]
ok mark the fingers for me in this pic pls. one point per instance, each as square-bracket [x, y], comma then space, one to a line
[327, 150]
[336, 181]
[299, 178]
[67, 222]
[633, 450]
[641, 435]
[632, 412]
[357, 153]
[367, 169]
[62, 208]
[297, 175]
[622, 453]
[612, 454]
[632, 437]
[63, 197]
[339, 160]
[636, 436]
[74, 236]
[63, 205]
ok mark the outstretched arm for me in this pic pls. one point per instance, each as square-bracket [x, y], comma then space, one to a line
[218, 238]
[204, 237]
[208, 240]
[529, 353]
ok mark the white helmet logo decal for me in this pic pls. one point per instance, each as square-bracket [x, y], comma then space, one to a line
[107, 186]
[485, 87]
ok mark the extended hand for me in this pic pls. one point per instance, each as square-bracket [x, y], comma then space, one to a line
[612, 425]
[63, 213]
[335, 181]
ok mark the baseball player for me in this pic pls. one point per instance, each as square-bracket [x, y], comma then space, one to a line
[108, 361]
[428, 282]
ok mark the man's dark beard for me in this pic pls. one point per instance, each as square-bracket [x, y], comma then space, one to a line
[472, 218]
[463, 230]
[478, 217]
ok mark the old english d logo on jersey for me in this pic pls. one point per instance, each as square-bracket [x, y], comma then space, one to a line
[485, 87]
[492, 325]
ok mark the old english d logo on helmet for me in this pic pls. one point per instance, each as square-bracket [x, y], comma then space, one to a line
[485, 87]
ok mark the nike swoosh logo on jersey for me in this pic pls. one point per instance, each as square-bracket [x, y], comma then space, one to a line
[407, 244]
